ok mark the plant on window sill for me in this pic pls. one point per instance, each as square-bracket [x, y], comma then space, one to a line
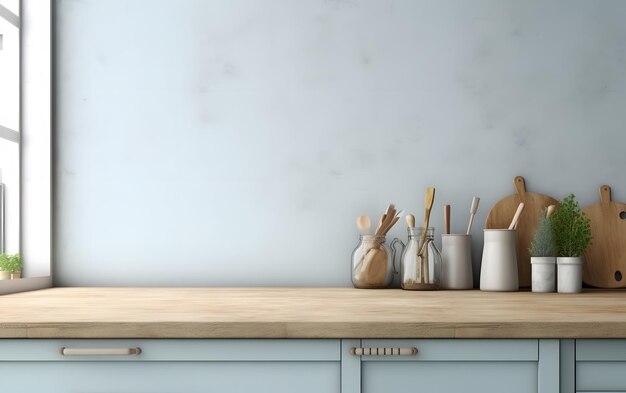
[10, 266]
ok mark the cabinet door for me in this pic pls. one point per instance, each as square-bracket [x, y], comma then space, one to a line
[453, 366]
[171, 366]
[601, 365]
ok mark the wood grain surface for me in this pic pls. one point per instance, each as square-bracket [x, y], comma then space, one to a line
[605, 259]
[309, 313]
[502, 213]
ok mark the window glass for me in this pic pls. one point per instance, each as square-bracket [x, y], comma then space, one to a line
[10, 180]
[12, 5]
[9, 75]
[9, 127]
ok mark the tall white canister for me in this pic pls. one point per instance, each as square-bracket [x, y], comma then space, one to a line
[498, 270]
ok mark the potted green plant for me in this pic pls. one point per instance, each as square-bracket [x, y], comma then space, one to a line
[15, 266]
[543, 256]
[572, 236]
[5, 265]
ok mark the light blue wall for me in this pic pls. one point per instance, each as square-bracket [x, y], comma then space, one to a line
[234, 142]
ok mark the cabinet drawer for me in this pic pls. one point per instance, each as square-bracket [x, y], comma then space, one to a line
[601, 365]
[487, 366]
[175, 350]
[167, 366]
[170, 377]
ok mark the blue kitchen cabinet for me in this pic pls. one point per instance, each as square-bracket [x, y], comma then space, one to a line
[457, 365]
[266, 365]
[601, 365]
[170, 366]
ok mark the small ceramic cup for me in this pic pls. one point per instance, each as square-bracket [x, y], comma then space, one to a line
[543, 274]
[456, 253]
[570, 274]
[498, 271]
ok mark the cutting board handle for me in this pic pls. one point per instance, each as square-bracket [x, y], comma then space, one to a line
[605, 194]
[520, 185]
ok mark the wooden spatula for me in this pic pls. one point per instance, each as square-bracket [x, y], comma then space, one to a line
[428, 205]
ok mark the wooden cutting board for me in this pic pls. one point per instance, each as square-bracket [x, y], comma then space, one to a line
[502, 212]
[605, 259]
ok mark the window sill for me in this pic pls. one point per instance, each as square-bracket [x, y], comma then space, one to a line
[24, 284]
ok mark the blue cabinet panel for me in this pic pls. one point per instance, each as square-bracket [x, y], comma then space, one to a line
[601, 365]
[453, 366]
[170, 377]
[450, 377]
[172, 366]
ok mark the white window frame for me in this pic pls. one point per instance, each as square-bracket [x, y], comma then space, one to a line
[35, 147]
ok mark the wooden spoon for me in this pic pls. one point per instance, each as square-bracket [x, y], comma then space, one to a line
[410, 221]
[518, 213]
[446, 219]
[364, 224]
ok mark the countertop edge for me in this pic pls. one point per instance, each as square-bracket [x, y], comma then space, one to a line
[312, 330]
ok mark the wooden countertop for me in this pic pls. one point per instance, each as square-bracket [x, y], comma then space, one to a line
[308, 313]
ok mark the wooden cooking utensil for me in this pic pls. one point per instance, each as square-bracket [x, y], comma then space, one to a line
[500, 215]
[605, 259]
[550, 210]
[410, 221]
[446, 219]
[515, 219]
[428, 205]
[364, 224]
[473, 210]
[385, 220]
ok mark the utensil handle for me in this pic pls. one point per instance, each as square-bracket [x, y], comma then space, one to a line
[446, 219]
[368, 351]
[132, 351]
[517, 215]
[469, 226]
[473, 210]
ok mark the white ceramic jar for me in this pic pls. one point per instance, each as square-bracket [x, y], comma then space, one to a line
[543, 274]
[570, 274]
[498, 271]
[456, 254]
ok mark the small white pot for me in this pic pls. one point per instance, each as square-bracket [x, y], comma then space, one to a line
[5, 275]
[543, 274]
[16, 276]
[570, 274]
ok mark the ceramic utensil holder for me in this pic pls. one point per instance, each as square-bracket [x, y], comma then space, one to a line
[498, 271]
[456, 256]
[570, 274]
[543, 275]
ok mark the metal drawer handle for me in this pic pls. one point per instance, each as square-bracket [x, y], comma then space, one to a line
[412, 351]
[133, 351]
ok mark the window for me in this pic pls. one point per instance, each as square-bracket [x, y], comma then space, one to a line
[9, 126]
[25, 140]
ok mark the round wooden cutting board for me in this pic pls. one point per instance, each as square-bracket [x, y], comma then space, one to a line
[605, 259]
[502, 212]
